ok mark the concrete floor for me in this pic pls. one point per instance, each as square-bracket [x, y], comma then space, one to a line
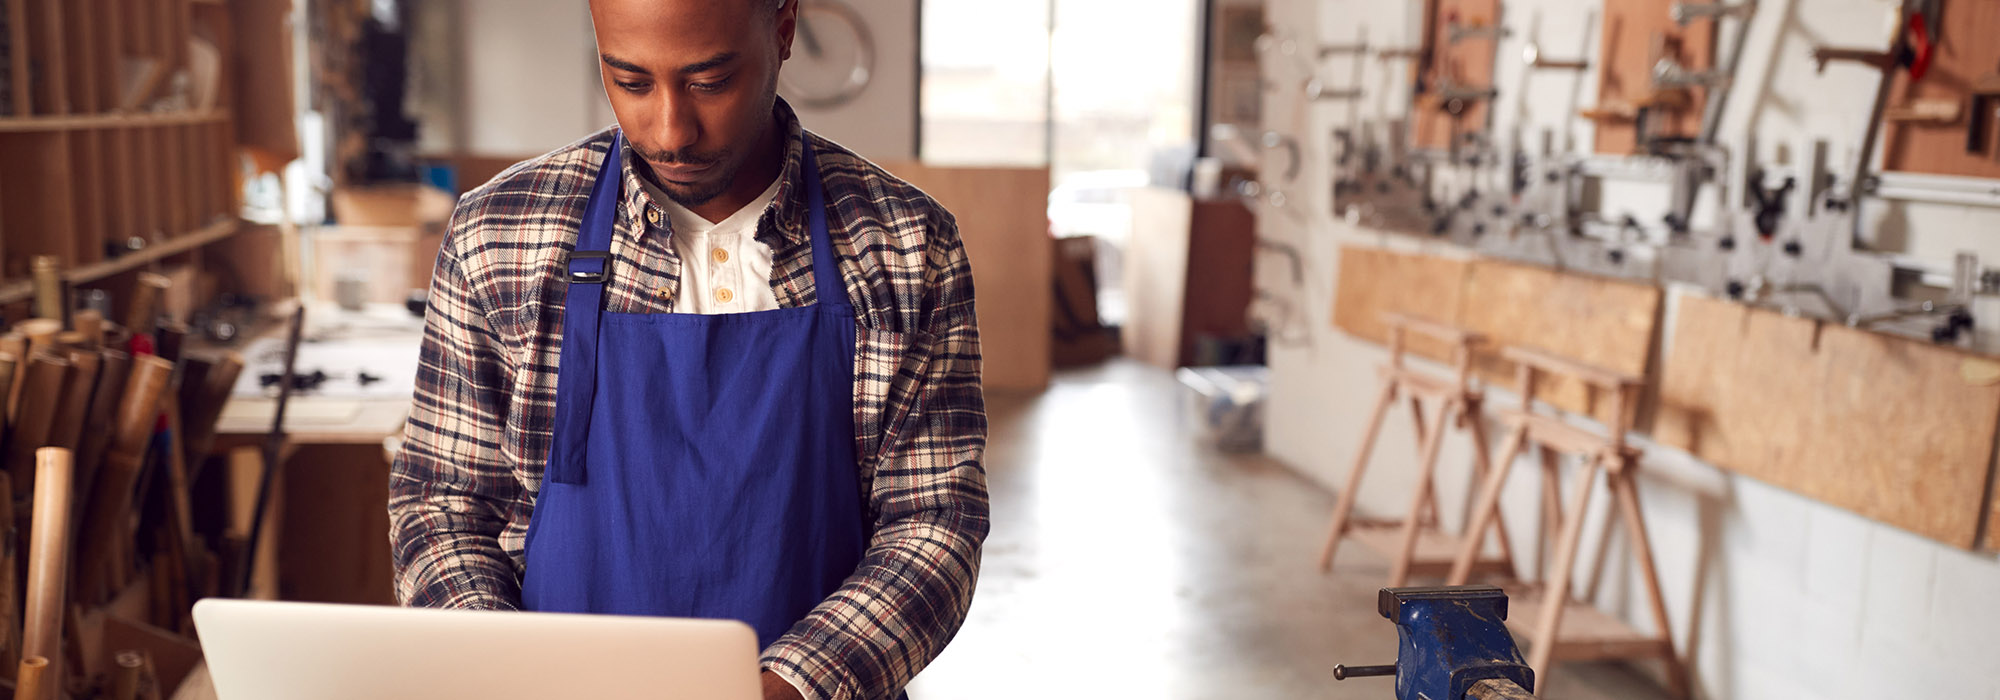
[1129, 561]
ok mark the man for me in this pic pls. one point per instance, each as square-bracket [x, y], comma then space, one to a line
[704, 364]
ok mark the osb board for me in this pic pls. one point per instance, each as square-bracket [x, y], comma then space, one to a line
[1897, 430]
[1636, 34]
[1964, 53]
[1374, 281]
[1469, 64]
[1604, 322]
[1002, 218]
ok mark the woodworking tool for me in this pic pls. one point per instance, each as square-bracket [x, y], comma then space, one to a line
[274, 443]
[48, 287]
[1454, 645]
[1669, 73]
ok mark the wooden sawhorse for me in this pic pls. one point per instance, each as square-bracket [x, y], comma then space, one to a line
[1556, 626]
[1415, 545]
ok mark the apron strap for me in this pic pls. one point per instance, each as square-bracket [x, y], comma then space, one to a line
[588, 267]
[827, 283]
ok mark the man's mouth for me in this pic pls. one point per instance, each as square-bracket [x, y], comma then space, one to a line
[681, 172]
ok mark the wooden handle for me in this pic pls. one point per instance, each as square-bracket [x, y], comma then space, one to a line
[10, 574]
[83, 367]
[145, 302]
[48, 556]
[40, 400]
[47, 272]
[205, 404]
[30, 683]
[109, 503]
[8, 362]
[114, 369]
[171, 336]
[89, 322]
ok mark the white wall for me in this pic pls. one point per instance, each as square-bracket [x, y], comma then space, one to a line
[1777, 596]
[531, 83]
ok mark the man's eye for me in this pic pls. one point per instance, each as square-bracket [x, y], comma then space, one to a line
[635, 86]
[710, 87]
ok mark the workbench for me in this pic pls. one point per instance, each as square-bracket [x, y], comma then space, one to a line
[330, 508]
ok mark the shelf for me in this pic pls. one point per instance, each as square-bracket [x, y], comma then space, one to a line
[24, 289]
[119, 120]
[1435, 553]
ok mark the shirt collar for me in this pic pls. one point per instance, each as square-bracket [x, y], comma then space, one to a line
[784, 220]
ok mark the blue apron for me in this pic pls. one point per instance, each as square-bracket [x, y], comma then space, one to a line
[702, 465]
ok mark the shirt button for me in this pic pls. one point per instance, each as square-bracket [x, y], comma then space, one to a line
[653, 216]
[662, 291]
[723, 295]
[721, 256]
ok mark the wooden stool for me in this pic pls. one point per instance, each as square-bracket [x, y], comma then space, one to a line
[1415, 545]
[1557, 626]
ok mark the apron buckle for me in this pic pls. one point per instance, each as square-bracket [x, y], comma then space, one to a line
[588, 272]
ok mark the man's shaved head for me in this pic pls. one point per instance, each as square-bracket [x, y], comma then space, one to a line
[694, 83]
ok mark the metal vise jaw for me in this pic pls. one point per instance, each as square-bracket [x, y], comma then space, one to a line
[1455, 643]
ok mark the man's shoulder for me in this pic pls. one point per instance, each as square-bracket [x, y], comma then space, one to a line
[537, 197]
[878, 201]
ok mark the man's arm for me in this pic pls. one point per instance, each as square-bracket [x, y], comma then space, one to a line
[450, 487]
[911, 591]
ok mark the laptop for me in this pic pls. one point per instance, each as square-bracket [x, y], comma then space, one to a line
[260, 650]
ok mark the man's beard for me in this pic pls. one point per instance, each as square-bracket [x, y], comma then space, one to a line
[695, 194]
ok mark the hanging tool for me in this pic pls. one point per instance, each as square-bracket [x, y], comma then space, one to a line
[274, 443]
[1911, 46]
[1453, 645]
[1532, 55]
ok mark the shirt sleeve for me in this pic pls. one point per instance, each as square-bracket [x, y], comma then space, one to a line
[911, 592]
[450, 487]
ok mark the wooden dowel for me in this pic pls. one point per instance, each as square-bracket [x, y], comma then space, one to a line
[31, 682]
[90, 322]
[48, 557]
[171, 336]
[83, 368]
[8, 361]
[108, 506]
[46, 377]
[127, 669]
[16, 344]
[41, 332]
[10, 595]
[115, 369]
[145, 306]
[47, 272]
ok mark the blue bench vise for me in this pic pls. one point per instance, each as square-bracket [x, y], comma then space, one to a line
[1455, 645]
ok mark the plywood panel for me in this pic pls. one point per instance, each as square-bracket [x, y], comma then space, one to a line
[1637, 33]
[1467, 64]
[1156, 269]
[34, 227]
[1604, 322]
[1965, 53]
[1002, 217]
[86, 157]
[1374, 281]
[1894, 429]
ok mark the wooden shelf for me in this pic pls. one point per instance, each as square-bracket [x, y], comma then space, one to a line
[24, 289]
[116, 120]
[1586, 634]
[1435, 553]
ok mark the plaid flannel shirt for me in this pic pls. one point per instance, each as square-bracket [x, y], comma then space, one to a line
[463, 487]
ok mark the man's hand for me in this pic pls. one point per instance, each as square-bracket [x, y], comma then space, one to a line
[776, 688]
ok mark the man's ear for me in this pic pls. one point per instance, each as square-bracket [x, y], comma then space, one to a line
[788, 27]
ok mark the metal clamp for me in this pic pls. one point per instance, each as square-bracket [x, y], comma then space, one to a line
[1686, 12]
[1459, 32]
[1669, 73]
[585, 276]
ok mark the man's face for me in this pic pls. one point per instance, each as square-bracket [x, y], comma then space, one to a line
[692, 83]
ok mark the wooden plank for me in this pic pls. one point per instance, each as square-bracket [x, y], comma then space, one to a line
[17, 44]
[149, 202]
[1897, 430]
[1637, 33]
[1587, 634]
[75, 122]
[37, 199]
[174, 179]
[1604, 322]
[1002, 218]
[119, 178]
[1434, 554]
[83, 54]
[1965, 54]
[110, 28]
[49, 75]
[178, 244]
[1467, 64]
[87, 245]
[1373, 282]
